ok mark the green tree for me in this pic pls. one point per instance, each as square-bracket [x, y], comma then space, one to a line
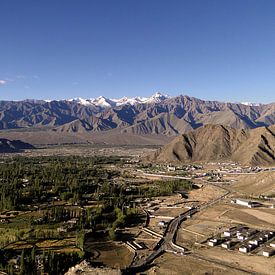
[22, 263]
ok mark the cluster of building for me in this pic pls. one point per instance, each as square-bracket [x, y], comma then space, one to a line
[163, 168]
[246, 240]
[188, 167]
[234, 169]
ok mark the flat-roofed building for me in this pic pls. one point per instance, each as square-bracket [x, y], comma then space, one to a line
[268, 252]
[247, 248]
[213, 242]
[247, 203]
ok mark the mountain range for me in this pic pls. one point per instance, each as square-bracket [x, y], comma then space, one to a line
[104, 102]
[158, 114]
[212, 143]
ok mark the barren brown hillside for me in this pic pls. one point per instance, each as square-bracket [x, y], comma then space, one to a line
[217, 142]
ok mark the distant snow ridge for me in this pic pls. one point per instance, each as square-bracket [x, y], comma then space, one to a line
[104, 102]
[250, 104]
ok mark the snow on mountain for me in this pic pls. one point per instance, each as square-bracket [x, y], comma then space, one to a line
[157, 97]
[80, 100]
[104, 102]
[250, 104]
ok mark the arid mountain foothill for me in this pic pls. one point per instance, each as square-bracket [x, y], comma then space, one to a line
[212, 143]
[12, 146]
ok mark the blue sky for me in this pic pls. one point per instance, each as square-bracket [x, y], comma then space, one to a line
[217, 50]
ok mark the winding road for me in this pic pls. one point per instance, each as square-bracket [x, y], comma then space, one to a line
[167, 243]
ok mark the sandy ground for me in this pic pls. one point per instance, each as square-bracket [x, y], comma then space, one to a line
[38, 136]
[206, 193]
[262, 183]
[111, 254]
[169, 264]
[253, 263]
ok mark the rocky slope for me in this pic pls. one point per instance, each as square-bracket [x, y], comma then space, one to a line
[212, 143]
[161, 115]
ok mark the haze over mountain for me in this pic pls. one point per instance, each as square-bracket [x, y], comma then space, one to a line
[221, 143]
[158, 114]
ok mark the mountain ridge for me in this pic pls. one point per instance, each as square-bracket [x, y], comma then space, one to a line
[167, 115]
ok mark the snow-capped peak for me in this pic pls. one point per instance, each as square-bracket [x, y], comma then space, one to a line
[104, 102]
[157, 97]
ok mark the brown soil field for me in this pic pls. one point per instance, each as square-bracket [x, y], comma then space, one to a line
[111, 254]
[56, 243]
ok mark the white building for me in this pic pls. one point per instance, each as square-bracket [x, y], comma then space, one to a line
[255, 242]
[268, 252]
[227, 233]
[246, 248]
[246, 203]
[171, 168]
[230, 232]
[212, 242]
[227, 245]
[162, 223]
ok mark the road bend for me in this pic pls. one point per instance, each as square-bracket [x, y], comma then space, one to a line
[168, 241]
[166, 244]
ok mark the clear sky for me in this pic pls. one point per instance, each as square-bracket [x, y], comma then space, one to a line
[210, 49]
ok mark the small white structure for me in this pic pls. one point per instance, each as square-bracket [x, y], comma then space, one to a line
[268, 252]
[171, 168]
[256, 242]
[246, 248]
[162, 223]
[212, 242]
[230, 232]
[243, 249]
[227, 233]
[241, 237]
[72, 221]
[272, 244]
[243, 234]
[227, 245]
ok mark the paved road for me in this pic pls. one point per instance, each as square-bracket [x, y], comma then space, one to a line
[167, 243]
